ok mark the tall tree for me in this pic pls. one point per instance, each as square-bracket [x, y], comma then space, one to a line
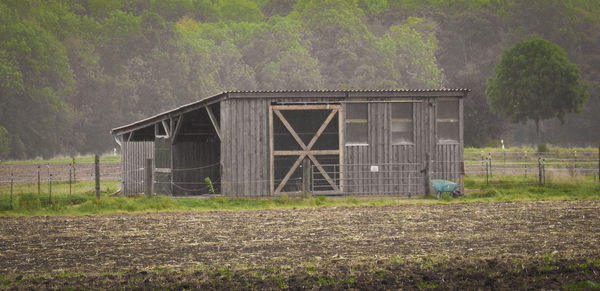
[536, 81]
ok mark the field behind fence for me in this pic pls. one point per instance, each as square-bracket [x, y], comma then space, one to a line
[532, 167]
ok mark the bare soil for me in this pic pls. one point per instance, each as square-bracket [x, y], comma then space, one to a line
[543, 244]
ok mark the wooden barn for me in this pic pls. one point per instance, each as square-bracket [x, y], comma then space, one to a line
[264, 143]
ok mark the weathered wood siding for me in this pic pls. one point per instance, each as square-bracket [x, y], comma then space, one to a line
[193, 161]
[399, 165]
[133, 161]
[245, 147]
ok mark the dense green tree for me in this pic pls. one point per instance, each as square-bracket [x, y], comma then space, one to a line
[409, 60]
[72, 69]
[4, 143]
[36, 78]
[240, 10]
[340, 39]
[280, 56]
[536, 81]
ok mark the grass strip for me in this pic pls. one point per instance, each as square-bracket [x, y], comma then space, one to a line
[82, 200]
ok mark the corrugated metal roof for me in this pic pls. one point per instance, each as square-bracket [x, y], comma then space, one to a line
[214, 98]
[357, 90]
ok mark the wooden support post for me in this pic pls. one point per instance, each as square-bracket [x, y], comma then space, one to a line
[148, 177]
[427, 176]
[214, 122]
[39, 181]
[599, 163]
[11, 190]
[306, 175]
[70, 178]
[540, 170]
[97, 175]
[49, 189]
[74, 171]
[490, 163]
[487, 172]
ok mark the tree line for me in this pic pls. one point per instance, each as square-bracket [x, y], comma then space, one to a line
[70, 70]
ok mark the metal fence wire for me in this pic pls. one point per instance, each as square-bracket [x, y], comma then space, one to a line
[534, 168]
[393, 178]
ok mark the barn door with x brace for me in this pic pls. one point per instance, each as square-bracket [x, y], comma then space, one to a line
[299, 132]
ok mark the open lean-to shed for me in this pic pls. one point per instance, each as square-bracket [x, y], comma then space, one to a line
[264, 143]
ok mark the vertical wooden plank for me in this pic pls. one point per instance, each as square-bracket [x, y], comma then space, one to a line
[240, 146]
[266, 156]
[226, 118]
[388, 145]
[137, 178]
[255, 158]
[250, 118]
[271, 158]
[241, 143]
[233, 143]
[124, 168]
[341, 147]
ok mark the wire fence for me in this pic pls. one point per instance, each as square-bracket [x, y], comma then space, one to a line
[493, 167]
[534, 168]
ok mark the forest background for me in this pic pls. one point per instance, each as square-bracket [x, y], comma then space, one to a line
[70, 70]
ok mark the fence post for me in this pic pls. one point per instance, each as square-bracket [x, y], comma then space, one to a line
[49, 189]
[539, 171]
[490, 163]
[306, 175]
[11, 190]
[525, 164]
[74, 170]
[487, 172]
[70, 178]
[97, 174]
[427, 178]
[543, 171]
[148, 177]
[599, 163]
[39, 186]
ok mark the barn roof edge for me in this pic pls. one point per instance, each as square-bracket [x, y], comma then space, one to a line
[227, 94]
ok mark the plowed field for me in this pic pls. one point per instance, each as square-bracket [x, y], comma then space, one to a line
[547, 244]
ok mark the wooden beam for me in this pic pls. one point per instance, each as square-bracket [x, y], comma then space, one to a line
[299, 152]
[321, 129]
[167, 131]
[289, 173]
[177, 128]
[306, 149]
[304, 107]
[271, 150]
[214, 122]
[290, 129]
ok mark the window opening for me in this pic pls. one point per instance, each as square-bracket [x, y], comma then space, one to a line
[402, 123]
[447, 121]
[356, 123]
